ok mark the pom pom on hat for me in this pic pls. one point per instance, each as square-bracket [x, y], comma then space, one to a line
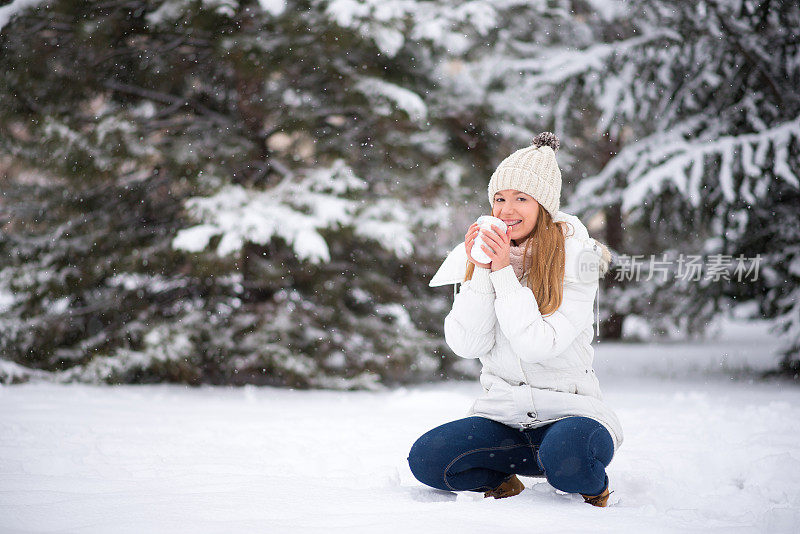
[547, 138]
[532, 170]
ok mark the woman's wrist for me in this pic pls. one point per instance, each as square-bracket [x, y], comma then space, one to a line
[504, 281]
[480, 281]
[497, 265]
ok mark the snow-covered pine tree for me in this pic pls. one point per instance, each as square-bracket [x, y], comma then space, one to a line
[221, 192]
[710, 158]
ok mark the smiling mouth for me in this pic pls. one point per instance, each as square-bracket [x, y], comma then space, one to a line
[514, 223]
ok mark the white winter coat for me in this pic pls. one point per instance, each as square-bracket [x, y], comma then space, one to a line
[535, 369]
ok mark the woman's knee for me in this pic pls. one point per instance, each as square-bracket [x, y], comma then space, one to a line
[574, 452]
[435, 450]
[578, 435]
[427, 460]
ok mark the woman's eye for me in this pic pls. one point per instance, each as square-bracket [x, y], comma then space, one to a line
[521, 198]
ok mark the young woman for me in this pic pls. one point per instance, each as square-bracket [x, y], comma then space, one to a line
[527, 315]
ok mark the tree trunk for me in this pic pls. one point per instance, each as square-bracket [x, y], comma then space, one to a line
[611, 328]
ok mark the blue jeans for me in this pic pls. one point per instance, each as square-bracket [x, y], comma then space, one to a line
[478, 454]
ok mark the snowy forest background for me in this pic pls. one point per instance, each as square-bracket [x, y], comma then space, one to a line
[232, 192]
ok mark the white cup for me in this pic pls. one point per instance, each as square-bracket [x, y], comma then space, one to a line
[485, 223]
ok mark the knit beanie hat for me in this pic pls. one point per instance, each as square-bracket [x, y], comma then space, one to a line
[532, 170]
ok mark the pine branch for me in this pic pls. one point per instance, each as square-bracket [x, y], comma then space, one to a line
[166, 98]
[750, 57]
[134, 52]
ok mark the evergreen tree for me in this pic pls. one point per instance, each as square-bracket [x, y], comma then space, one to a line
[219, 192]
[711, 158]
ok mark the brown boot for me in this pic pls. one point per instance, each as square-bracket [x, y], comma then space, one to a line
[510, 487]
[598, 500]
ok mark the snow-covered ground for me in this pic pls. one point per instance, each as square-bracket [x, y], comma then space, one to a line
[703, 452]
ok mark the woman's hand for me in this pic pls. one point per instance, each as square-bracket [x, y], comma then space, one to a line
[499, 247]
[469, 240]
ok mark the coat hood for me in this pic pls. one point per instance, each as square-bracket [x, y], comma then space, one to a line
[587, 259]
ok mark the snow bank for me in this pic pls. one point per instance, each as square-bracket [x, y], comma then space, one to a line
[699, 456]
[732, 349]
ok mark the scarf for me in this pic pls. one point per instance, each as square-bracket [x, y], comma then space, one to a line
[515, 257]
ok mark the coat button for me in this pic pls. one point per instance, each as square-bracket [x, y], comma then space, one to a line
[532, 415]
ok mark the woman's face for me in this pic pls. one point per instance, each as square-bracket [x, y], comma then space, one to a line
[513, 206]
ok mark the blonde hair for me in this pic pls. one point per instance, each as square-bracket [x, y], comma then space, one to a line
[545, 266]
